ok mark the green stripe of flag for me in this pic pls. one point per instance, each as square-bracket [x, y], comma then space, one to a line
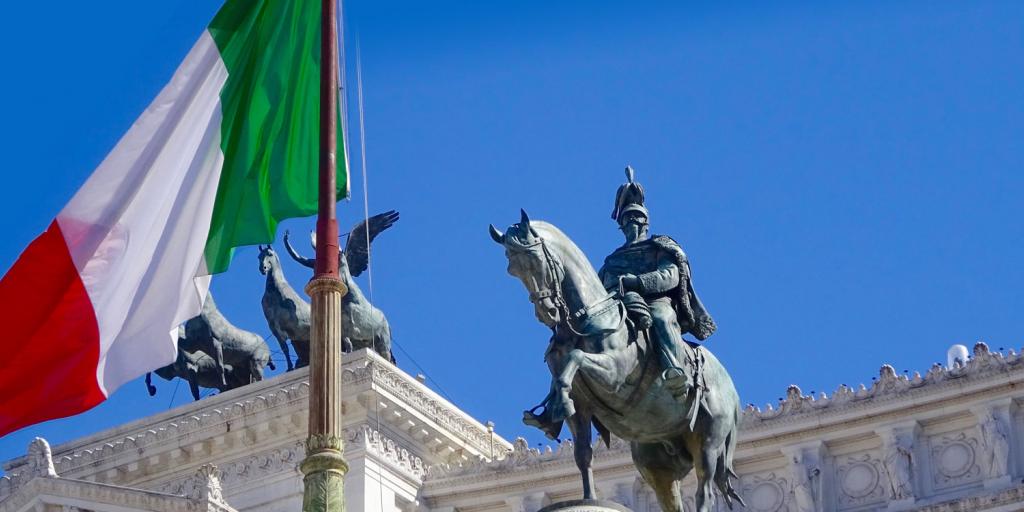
[270, 129]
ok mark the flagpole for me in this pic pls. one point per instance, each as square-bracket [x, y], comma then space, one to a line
[324, 466]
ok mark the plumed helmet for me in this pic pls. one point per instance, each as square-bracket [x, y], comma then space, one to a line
[629, 198]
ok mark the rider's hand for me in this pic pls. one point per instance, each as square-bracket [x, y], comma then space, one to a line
[630, 282]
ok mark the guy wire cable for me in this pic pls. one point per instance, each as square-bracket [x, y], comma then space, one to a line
[366, 212]
[366, 226]
[362, 157]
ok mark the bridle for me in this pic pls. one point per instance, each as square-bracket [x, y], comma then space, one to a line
[553, 289]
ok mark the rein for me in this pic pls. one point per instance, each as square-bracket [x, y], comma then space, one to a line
[554, 292]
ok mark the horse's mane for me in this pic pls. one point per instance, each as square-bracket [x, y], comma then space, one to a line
[562, 243]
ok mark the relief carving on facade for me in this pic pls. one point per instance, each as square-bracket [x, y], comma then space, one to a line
[899, 466]
[860, 480]
[383, 374]
[388, 449]
[954, 460]
[766, 493]
[204, 486]
[805, 494]
[39, 463]
[995, 445]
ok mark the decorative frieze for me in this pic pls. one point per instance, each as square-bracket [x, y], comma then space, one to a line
[995, 439]
[888, 386]
[389, 450]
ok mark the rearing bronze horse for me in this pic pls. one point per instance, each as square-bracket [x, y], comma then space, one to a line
[603, 376]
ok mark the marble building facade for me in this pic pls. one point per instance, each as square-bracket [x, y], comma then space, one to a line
[949, 439]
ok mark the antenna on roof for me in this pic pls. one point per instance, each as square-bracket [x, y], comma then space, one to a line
[957, 355]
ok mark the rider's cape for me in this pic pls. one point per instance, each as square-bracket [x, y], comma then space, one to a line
[689, 308]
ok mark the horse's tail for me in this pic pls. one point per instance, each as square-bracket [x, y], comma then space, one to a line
[725, 472]
[384, 344]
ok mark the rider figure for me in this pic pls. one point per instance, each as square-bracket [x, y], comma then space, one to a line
[655, 268]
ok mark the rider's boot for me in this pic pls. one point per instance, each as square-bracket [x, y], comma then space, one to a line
[543, 421]
[673, 376]
[551, 429]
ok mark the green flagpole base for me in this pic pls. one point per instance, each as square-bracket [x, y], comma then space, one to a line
[324, 468]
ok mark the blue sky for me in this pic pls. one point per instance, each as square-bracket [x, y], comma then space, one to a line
[845, 176]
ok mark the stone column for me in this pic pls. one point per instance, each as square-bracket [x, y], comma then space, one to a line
[324, 466]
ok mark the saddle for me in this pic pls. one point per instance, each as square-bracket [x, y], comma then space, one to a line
[638, 319]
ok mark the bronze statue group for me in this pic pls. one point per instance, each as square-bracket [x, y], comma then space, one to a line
[213, 353]
[618, 359]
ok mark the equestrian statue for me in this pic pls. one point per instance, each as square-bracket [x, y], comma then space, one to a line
[617, 355]
[363, 325]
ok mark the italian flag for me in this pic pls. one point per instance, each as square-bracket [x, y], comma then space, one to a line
[227, 150]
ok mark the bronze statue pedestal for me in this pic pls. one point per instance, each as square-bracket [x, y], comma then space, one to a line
[585, 506]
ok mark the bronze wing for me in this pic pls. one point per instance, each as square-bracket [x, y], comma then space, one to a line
[357, 249]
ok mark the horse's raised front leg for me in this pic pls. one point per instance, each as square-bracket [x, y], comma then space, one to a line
[583, 451]
[601, 368]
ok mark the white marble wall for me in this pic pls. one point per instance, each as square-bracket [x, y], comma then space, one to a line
[949, 440]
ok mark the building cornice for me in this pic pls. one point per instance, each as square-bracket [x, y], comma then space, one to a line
[268, 414]
[798, 417]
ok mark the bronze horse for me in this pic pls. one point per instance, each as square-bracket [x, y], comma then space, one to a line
[606, 377]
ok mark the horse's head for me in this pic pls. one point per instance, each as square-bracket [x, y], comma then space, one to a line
[530, 260]
[268, 259]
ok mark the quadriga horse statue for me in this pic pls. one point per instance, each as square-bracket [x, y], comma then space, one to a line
[213, 334]
[363, 324]
[199, 369]
[286, 311]
[603, 376]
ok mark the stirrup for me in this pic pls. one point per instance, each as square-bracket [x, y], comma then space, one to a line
[673, 374]
[675, 382]
[541, 421]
